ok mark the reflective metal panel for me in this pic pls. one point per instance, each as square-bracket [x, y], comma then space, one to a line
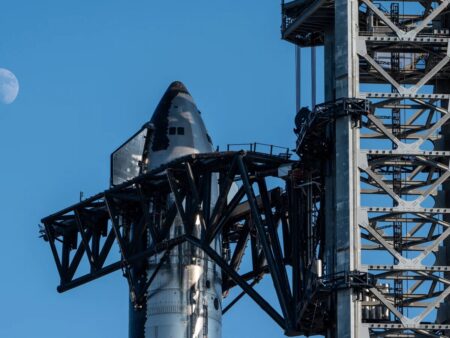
[127, 159]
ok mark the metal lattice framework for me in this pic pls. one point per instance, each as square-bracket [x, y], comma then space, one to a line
[391, 205]
[254, 223]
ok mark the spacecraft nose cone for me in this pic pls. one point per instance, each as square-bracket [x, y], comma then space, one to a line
[178, 127]
[177, 86]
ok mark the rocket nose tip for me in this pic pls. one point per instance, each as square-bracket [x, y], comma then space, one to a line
[174, 89]
[178, 86]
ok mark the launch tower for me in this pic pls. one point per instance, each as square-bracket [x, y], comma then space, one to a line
[387, 176]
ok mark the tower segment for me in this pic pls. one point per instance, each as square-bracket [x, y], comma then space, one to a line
[387, 178]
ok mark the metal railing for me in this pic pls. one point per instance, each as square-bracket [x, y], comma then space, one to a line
[256, 147]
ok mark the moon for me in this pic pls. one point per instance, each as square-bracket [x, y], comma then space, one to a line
[9, 86]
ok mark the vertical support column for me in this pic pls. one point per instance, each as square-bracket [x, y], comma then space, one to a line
[443, 254]
[298, 78]
[346, 188]
[313, 77]
[330, 178]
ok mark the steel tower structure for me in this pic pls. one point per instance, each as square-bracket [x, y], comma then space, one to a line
[387, 178]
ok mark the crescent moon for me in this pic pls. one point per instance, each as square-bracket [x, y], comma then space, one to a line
[9, 86]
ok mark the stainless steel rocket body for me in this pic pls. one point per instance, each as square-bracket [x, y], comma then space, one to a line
[184, 300]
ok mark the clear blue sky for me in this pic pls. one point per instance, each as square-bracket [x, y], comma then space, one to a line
[91, 73]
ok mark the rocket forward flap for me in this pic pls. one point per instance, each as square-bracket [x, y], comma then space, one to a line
[130, 160]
